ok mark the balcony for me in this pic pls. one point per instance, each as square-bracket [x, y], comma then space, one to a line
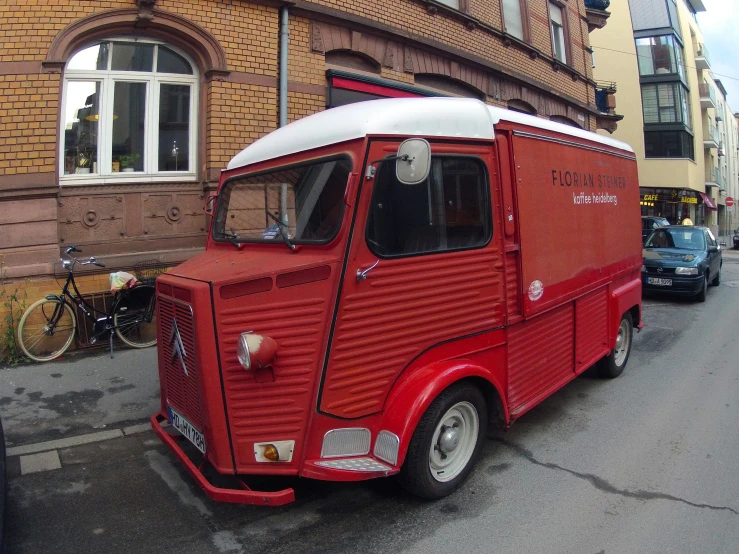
[702, 60]
[711, 177]
[710, 136]
[596, 14]
[708, 96]
[721, 149]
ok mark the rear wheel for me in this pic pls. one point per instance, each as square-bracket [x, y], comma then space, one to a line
[701, 296]
[446, 443]
[46, 329]
[613, 365]
[135, 317]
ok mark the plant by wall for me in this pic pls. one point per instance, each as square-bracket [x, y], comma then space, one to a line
[13, 304]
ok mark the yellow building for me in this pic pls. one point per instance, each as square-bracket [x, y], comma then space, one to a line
[654, 53]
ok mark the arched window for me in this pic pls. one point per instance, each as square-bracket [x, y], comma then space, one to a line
[521, 106]
[129, 110]
[565, 121]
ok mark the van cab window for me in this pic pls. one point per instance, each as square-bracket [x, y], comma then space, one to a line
[303, 204]
[449, 211]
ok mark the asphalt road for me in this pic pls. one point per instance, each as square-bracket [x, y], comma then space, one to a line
[644, 463]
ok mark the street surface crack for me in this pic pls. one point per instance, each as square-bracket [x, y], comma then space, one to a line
[603, 485]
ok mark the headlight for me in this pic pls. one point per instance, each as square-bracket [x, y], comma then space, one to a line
[686, 271]
[255, 351]
[643, 269]
[243, 351]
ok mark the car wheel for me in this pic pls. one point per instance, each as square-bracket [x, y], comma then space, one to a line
[717, 280]
[613, 365]
[701, 297]
[446, 443]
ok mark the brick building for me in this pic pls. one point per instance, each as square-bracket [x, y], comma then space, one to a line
[116, 117]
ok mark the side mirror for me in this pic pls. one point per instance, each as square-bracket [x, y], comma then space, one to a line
[712, 248]
[413, 163]
[210, 204]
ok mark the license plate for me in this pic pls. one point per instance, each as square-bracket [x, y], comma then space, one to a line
[659, 282]
[180, 423]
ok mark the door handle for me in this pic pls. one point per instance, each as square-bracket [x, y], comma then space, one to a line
[362, 275]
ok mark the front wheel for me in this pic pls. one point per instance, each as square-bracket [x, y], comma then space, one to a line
[46, 329]
[717, 280]
[446, 443]
[613, 365]
[135, 317]
[701, 296]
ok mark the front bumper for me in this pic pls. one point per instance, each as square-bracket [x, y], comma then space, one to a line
[683, 285]
[237, 496]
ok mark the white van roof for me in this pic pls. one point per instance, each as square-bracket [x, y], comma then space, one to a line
[428, 117]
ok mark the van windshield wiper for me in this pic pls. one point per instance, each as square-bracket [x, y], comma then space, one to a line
[281, 226]
[232, 237]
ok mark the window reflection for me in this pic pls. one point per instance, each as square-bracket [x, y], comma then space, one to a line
[174, 128]
[129, 106]
[129, 56]
[81, 120]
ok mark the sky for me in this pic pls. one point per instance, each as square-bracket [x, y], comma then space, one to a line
[720, 27]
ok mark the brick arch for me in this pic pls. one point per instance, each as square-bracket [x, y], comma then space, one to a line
[352, 60]
[205, 50]
[337, 39]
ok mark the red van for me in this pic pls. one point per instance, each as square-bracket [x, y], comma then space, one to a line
[384, 282]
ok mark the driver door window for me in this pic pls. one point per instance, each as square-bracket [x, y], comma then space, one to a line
[449, 211]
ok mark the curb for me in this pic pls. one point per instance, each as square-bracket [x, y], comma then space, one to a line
[78, 440]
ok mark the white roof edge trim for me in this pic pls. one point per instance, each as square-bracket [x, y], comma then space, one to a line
[425, 117]
[500, 114]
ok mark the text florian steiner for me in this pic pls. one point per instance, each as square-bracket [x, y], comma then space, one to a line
[577, 179]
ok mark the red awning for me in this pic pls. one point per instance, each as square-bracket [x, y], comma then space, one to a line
[371, 88]
[708, 201]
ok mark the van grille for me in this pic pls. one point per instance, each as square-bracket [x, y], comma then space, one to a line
[181, 383]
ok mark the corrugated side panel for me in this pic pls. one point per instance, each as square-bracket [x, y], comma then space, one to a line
[401, 310]
[540, 354]
[181, 388]
[272, 405]
[511, 279]
[591, 326]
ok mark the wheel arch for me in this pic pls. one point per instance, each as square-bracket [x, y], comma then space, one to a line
[411, 396]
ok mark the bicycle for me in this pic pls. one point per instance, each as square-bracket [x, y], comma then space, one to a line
[48, 326]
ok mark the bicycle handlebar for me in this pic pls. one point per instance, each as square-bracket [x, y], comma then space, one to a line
[69, 264]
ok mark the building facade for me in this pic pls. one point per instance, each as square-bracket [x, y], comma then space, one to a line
[674, 111]
[117, 116]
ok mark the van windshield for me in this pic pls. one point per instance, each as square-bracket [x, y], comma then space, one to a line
[304, 202]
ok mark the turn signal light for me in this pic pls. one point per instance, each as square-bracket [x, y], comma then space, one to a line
[271, 453]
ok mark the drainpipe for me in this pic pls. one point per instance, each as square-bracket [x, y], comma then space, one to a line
[283, 65]
[284, 22]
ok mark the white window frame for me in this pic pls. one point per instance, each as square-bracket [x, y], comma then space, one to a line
[454, 4]
[153, 81]
[557, 29]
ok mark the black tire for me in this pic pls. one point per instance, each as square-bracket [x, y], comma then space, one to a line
[135, 317]
[416, 474]
[717, 280]
[701, 296]
[613, 365]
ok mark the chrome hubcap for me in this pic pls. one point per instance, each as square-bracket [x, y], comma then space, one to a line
[449, 440]
[454, 442]
[622, 344]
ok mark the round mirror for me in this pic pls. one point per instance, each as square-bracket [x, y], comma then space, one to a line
[414, 161]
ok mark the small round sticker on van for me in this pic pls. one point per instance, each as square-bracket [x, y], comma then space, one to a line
[536, 289]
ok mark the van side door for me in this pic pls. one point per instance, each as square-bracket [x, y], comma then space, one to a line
[424, 267]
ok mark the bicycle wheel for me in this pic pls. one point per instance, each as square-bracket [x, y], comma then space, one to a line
[46, 329]
[135, 317]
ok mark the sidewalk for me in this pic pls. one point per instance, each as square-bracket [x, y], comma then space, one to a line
[84, 393]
